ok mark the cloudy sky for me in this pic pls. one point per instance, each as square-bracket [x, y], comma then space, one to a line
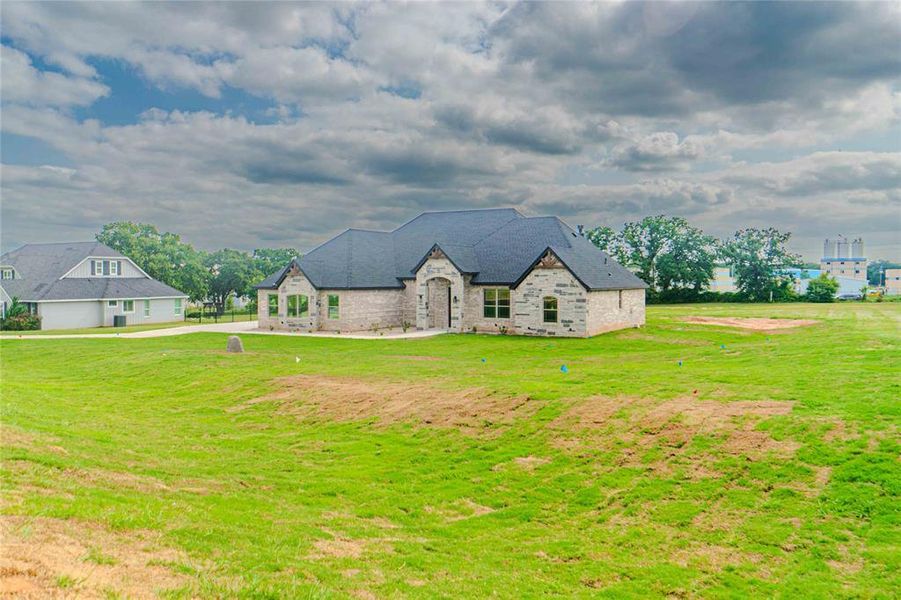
[249, 125]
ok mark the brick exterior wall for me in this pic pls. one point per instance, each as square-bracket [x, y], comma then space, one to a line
[605, 313]
[360, 310]
[474, 314]
[579, 312]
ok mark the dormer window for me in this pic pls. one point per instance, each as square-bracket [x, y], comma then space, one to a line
[106, 268]
[6, 274]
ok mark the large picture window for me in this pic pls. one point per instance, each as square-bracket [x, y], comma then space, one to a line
[333, 306]
[298, 305]
[273, 305]
[550, 309]
[496, 303]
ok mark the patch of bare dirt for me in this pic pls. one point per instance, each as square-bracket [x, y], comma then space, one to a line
[338, 548]
[347, 399]
[463, 509]
[645, 337]
[39, 553]
[754, 324]
[713, 558]
[641, 425]
[530, 462]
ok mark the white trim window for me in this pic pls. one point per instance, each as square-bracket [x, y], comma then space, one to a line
[106, 268]
[112, 303]
[7, 274]
[146, 308]
[128, 306]
[177, 307]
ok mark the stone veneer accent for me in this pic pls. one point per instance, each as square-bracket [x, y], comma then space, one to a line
[571, 304]
[438, 265]
[580, 312]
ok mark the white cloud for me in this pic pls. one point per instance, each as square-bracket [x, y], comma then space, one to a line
[385, 109]
[22, 83]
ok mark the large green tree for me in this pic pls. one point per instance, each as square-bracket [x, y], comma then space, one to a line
[162, 255]
[757, 256]
[231, 272]
[269, 260]
[666, 252]
[821, 289]
[876, 270]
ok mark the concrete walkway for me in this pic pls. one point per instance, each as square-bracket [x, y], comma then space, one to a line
[245, 327]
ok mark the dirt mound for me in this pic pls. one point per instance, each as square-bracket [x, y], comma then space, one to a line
[347, 399]
[755, 324]
[53, 558]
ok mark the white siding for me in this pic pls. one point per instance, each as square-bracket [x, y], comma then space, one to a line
[83, 269]
[70, 315]
[162, 310]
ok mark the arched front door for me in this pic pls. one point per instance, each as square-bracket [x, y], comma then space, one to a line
[439, 306]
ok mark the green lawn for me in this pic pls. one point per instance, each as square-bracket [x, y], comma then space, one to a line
[95, 330]
[227, 318]
[766, 464]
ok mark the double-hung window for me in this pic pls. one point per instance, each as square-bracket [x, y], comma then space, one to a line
[333, 306]
[496, 303]
[298, 305]
[128, 306]
[177, 307]
[550, 309]
[146, 308]
[273, 305]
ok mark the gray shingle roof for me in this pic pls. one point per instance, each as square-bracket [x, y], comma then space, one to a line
[495, 246]
[40, 267]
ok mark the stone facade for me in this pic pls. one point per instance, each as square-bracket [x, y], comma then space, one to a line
[440, 294]
[551, 282]
[438, 266]
[358, 310]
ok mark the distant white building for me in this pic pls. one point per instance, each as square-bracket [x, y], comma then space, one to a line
[892, 282]
[842, 258]
[723, 279]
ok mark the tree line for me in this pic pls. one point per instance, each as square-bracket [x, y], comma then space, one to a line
[674, 258]
[677, 260]
[203, 276]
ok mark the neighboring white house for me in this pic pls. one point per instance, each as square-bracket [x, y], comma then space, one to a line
[85, 284]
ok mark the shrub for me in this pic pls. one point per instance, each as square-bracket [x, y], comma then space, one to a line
[821, 289]
[21, 322]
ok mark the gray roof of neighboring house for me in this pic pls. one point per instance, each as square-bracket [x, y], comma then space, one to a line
[495, 246]
[40, 267]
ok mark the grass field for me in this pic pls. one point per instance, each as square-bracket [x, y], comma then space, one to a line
[766, 464]
[96, 330]
[227, 318]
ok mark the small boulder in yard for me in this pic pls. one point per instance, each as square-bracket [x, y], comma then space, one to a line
[234, 344]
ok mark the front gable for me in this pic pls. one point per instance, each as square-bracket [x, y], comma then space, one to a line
[105, 266]
[436, 253]
[548, 259]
